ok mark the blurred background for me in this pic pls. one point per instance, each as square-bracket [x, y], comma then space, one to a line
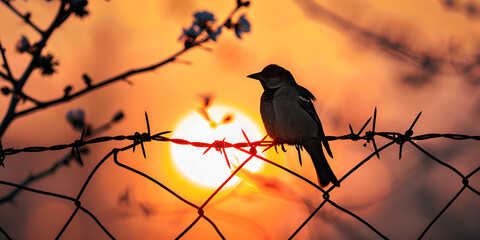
[401, 56]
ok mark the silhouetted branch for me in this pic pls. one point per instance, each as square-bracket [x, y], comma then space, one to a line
[25, 17]
[63, 14]
[427, 64]
[315, 10]
[123, 76]
[29, 98]
[468, 8]
[35, 177]
[7, 76]
[5, 234]
[4, 76]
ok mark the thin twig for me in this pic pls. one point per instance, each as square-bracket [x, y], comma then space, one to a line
[26, 17]
[5, 234]
[61, 16]
[4, 76]
[8, 76]
[119, 77]
[31, 99]
[12, 112]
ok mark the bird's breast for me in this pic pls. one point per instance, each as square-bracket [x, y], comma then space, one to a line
[268, 113]
[292, 120]
[268, 95]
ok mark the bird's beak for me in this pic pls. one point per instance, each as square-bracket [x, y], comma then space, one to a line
[257, 76]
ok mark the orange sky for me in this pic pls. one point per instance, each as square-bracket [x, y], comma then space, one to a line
[349, 74]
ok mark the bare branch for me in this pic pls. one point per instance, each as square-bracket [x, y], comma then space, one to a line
[122, 76]
[25, 17]
[61, 16]
[31, 99]
[8, 76]
[4, 76]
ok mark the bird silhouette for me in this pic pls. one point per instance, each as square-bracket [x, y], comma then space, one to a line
[290, 117]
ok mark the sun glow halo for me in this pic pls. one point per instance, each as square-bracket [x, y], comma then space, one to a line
[211, 170]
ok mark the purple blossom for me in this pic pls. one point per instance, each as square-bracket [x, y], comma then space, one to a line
[76, 117]
[192, 32]
[242, 26]
[213, 35]
[78, 7]
[204, 16]
[204, 19]
[23, 45]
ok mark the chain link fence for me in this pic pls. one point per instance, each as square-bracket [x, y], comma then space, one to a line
[251, 148]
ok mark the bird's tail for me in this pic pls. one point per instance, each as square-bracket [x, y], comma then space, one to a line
[324, 172]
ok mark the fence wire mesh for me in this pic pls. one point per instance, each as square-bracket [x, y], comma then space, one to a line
[251, 148]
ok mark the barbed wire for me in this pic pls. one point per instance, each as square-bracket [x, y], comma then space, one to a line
[250, 148]
[74, 155]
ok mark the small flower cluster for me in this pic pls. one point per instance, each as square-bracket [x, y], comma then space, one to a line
[76, 117]
[78, 7]
[6, 91]
[46, 63]
[23, 45]
[240, 27]
[204, 23]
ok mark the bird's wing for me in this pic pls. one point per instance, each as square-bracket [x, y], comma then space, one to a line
[305, 101]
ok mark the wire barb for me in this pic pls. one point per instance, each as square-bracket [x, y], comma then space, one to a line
[75, 149]
[144, 137]
[222, 145]
[364, 125]
[298, 147]
[407, 136]
[370, 135]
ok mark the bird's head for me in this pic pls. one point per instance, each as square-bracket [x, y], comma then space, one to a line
[274, 76]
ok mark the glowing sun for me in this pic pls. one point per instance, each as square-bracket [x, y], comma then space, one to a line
[210, 169]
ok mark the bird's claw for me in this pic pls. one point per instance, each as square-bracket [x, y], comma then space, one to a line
[298, 143]
[283, 147]
[299, 147]
[278, 142]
